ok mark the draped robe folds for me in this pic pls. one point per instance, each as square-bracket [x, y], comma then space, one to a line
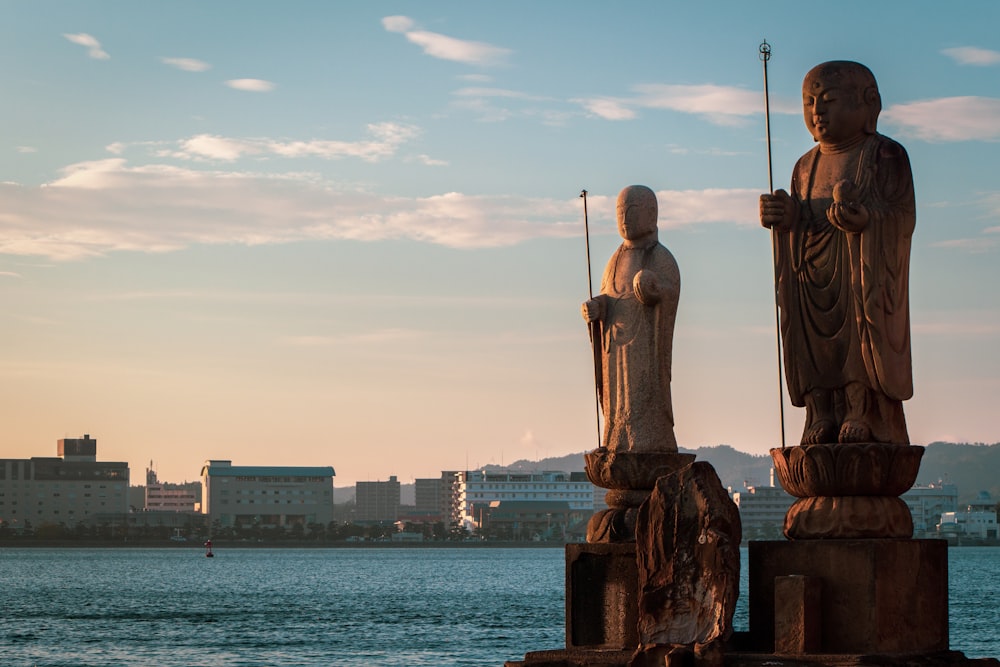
[636, 340]
[843, 296]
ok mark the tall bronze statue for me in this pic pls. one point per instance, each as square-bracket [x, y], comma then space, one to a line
[842, 254]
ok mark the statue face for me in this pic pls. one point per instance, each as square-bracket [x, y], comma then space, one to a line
[833, 107]
[636, 214]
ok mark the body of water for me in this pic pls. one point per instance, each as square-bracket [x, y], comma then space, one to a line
[351, 607]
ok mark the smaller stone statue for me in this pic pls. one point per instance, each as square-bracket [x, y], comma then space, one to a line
[636, 311]
[635, 314]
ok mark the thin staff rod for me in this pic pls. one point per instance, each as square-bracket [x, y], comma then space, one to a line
[595, 326]
[765, 56]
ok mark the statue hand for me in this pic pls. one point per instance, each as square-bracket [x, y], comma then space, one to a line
[846, 212]
[593, 310]
[647, 287]
[778, 211]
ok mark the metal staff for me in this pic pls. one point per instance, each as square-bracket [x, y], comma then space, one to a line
[765, 55]
[595, 327]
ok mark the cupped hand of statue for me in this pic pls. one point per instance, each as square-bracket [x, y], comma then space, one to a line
[592, 310]
[846, 212]
[778, 210]
[646, 287]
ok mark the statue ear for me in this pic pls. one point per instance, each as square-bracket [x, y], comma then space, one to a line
[873, 100]
[872, 97]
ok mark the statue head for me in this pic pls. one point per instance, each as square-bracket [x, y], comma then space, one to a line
[840, 101]
[636, 212]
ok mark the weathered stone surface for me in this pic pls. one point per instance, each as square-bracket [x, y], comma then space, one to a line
[879, 596]
[848, 517]
[687, 546]
[634, 316]
[630, 476]
[601, 596]
[847, 491]
[842, 252]
[862, 469]
[615, 469]
[798, 614]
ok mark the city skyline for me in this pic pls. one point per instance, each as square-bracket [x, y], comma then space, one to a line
[350, 234]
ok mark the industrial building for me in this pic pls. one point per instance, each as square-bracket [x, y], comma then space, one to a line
[70, 489]
[266, 496]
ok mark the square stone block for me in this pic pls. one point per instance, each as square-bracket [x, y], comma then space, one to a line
[797, 614]
[602, 596]
[878, 596]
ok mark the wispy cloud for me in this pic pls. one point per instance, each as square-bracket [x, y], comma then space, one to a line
[375, 336]
[186, 64]
[383, 141]
[9, 274]
[26, 149]
[90, 42]
[251, 85]
[608, 108]
[973, 245]
[722, 105]
[108, 206]
[445, 47]
[494, 92]
[972, 55]
[430, 162]
[948, 119]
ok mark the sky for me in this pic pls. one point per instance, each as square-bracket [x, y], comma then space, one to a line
[350, 234]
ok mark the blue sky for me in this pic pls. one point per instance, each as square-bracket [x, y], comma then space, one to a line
[349, 234]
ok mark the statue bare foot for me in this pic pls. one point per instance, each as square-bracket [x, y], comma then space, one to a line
[855, 431]
[823, 431]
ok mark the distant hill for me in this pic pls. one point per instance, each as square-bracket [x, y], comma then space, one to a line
[971, 467]
[734, 468]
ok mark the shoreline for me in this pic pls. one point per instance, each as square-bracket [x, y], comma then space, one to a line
[295, 544]
[225, 544]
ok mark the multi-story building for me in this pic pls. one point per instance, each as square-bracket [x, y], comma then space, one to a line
[978, 521]
[473, 491]
[539, 520]
[167, 497]
[928, 503]
[71, 489]
[266, 496]
[378, 501]
[429, 497]
[762, 510]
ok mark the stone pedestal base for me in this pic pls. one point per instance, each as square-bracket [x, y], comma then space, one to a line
[602, 597]
[876, 596]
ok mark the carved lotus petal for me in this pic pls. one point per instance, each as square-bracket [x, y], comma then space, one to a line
[866, 469]
[611, 469]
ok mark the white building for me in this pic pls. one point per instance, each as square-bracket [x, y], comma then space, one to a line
[473, 491]
[977, 521]
[266, 496]
[928, 503]
[762, 510]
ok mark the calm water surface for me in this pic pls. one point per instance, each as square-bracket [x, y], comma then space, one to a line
[349, 607]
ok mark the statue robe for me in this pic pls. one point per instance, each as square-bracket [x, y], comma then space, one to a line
[844, 296]
[636, 342]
